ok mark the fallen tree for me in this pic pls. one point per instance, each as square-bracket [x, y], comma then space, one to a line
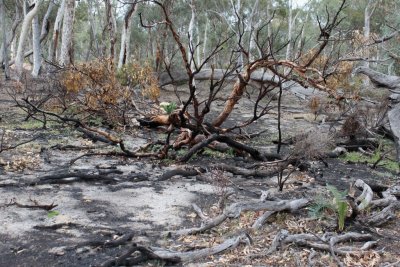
[392, 83]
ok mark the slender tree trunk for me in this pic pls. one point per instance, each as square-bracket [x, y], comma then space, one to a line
[37, 57]
[111, 27]
[92, 32]
[66, 53]
[4, 38]
[290, 30]
[205, 42]
[125, 36]
[46, 25]
[368, 11]
[56, 32]
[193, 32]
[238, 7]
[19, 59]
[9, 36]
[251, 28]
[268, 10]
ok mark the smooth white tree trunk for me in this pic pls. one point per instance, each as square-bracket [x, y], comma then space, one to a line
[4, 39]
[56, 32]
[66, 53]
[205, 39]
[126, 36]
[290, 30]
[368, 12]
[251, 28]
[37, 57]
[46, 23]
[19, 59]
[193, 33]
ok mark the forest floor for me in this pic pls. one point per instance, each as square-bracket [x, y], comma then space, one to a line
[92, 213]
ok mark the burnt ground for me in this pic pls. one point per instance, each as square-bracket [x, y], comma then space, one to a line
[90, 213]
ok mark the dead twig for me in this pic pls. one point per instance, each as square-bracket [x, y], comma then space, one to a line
[35, 204]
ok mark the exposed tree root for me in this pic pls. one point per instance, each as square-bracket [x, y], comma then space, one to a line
[325, 243]
[234, 211]
[385, 215]
[155, 253]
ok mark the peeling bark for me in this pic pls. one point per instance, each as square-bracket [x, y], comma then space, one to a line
[66, 53]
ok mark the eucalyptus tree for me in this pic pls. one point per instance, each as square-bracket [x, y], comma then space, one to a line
[126, 34]
[23, 36]
[56, 31]
[66, 53]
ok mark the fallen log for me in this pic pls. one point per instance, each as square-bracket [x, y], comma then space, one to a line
[394, 122]
[393, 84]
[171, 173]
[255, 154]
[63, 177]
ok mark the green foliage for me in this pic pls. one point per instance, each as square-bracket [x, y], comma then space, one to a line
[169, 107]
[52, 214]
[339, 199]
[320, 206]
[217, 154]
[357, 157]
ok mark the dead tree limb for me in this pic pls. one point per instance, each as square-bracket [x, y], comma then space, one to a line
[62, 178]
[324, 243]
[255, 154]
[234, 211]
[156, 253]
[35, 205]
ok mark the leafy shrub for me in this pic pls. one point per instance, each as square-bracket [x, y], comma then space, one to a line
[135, 74]
[97, 89]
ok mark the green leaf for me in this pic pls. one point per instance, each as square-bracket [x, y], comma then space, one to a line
[342, 211]
[52, 214]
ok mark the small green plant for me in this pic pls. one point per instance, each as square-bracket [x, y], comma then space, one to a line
[357, 157]
[341, 206]
[168, 107]
[320, 206]
[52, 214]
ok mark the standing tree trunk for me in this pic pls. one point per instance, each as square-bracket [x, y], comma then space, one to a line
[56, 32]
[66, 53]
[205, 42]
[10, 36]
[19, 59]
[37, 57]
[193, 32]
[290, 30]
[251, 28]
[368, 11]
[111, 27]
[92, 32]
[125, 37]
[4, 38]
